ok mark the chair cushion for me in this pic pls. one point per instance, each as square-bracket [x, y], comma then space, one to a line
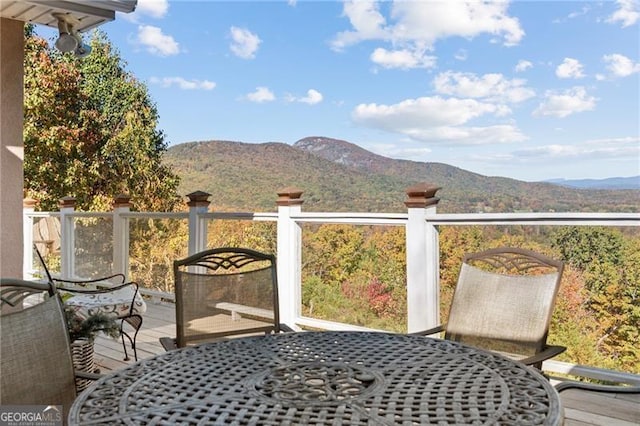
[117, 303]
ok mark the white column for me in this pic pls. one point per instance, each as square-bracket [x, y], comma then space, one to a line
[198, 204]
[67, 237]
[121, 204]
[289, 255]
[11, 147]
[423, 259]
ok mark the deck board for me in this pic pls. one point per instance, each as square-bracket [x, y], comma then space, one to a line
[580, 408]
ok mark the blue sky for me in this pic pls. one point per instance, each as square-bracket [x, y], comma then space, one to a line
[525, 89]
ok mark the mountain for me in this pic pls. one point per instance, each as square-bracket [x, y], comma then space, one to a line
[632, 182]
[336, 175]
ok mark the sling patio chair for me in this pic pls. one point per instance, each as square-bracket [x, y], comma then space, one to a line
[89, 297]
[36, 363]
[503, 302]
[224, 292]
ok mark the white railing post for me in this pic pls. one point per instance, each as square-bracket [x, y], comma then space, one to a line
[67, 237]
[423, 253]
[198, 203]
[289, 258]
[28, 207]
[121, 204]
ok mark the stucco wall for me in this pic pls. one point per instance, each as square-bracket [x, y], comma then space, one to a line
[11, 147]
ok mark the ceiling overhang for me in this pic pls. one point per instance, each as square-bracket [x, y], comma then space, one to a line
[86, 14]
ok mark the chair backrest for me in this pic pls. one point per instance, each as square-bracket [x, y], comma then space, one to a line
[225, 291]
[36, 363]
[504, 300]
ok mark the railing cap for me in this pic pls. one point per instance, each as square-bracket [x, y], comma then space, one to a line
[29, 203]
[422, 195]
[289, 196]
[67, 202]
[121, 200]
[198, 199]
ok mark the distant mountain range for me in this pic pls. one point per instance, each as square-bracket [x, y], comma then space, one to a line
[337, 175]
[632, 182]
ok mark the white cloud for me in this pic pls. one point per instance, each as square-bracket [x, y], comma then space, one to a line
[244, 43]
[570, 68]
[403, 59]
[420, 24]
[603, 148]
[563, 104]
[573, 15]
[313, 97]
[620, 65]
[523, 65]
[494, 87]
[183, 84]
[146, 8]
[367, 21]
[627, 13]
[505, 133]
[153, 8]
[401, 151]
[436, 119]
[261, 95]
[156, 42]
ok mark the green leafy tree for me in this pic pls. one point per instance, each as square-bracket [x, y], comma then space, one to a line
[90, 130]
[581, 246]
[615, 303]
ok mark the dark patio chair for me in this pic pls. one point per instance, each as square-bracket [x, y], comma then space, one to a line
[593, 387]
[503, 302]
[36, 362]
[122, 300]
[224, 292]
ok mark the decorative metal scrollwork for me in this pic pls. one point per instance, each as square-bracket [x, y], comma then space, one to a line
[316, 382]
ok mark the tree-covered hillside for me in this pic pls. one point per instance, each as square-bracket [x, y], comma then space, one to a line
[339, 176]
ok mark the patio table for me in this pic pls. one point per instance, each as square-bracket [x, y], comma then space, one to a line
[348, 377]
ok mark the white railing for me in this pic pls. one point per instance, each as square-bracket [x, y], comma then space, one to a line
[422, 248]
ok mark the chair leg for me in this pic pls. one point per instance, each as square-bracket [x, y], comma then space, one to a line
[134, 321]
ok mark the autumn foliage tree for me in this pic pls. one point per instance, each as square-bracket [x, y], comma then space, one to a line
[90, 130]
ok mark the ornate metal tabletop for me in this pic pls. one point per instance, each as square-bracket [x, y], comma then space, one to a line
[355, 378]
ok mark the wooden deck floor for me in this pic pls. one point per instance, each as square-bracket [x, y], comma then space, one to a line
[580, 409]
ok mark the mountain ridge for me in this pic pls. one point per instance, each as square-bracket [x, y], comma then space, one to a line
[631, 182]
[337, 175]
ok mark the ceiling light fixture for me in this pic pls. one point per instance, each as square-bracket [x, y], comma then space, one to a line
[68, 38]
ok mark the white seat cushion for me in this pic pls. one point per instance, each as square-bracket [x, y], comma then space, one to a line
[117, 303]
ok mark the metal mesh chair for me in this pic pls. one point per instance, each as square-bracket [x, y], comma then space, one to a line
[503, 302]
[36, 362]
[121, 300]
[224, 292]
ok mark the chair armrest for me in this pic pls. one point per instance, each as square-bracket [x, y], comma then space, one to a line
[285, 328]
[595, 387]
[87, 375]
[100, 290]
[548, 352]
[430, 331]
[168, 343]
[108, 277]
